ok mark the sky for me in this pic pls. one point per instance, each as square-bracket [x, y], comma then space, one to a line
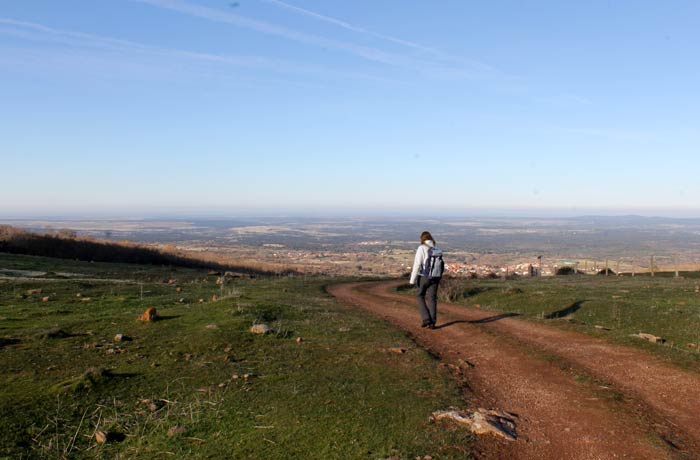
[196, 106]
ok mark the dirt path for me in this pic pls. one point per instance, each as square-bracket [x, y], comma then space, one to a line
[543, 374]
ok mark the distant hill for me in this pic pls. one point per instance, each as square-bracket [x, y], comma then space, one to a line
[65, 244]
[634, 220]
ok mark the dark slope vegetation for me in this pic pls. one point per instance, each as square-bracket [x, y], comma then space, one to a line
[63, 245]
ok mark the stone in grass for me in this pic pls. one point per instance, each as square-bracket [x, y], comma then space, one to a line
[122, 338]
[299, 339]
[483, 421]
[109, 436]
[212, 326]
[153, 405]
[397, 350]
[151, 314]
[260, 329]
[649, 337]
[114, 351]
[45, 299]
[101, 437]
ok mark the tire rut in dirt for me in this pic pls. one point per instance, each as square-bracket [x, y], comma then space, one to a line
[560, 416]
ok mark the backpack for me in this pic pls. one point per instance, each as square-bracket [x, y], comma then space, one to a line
[434, 265]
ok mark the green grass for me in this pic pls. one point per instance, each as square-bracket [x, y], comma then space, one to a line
[664, 306]
[335, 394]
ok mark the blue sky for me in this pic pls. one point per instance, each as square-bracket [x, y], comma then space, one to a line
[384, 105]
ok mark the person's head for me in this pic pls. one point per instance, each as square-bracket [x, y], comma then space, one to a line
[425, 236]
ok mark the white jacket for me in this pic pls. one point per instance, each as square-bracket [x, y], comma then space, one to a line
[419, 261]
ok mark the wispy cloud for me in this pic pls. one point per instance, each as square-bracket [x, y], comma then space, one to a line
[425, 50]
[351, 27]
[212, 14]
[40, 32]
[431, 60]
[30, 31]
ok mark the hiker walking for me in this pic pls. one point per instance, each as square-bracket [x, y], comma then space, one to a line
[426, 274]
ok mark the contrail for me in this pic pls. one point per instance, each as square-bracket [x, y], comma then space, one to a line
[211, 14]
[433, 52]
[352, 27]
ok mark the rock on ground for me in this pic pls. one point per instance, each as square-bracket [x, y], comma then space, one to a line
[149, 315]
[649, 337]
[260, 329]
[483, 421]
[109, 436]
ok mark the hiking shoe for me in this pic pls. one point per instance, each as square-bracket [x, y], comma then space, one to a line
[431, 326]
[426, 324]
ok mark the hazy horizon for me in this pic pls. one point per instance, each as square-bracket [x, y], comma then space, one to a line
[209, 214]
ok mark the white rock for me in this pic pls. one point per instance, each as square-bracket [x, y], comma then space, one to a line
[483, 421]
[260, 329]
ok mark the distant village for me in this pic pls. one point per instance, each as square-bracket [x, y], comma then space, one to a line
[485, 271]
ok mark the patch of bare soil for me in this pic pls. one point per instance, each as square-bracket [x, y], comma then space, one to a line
[523, 368]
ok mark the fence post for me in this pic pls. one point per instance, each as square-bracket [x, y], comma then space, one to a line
[651, 266]
[606, 267]
[675, 260]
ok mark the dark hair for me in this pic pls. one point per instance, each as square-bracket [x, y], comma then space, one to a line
[425, 236]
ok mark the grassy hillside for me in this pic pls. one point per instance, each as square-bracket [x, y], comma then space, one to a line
[663, 306]
[66, 245]
[197, 383]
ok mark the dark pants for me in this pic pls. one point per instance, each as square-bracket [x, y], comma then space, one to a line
[426, 293]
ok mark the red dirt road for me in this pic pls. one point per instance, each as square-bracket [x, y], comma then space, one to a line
[645, 409]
